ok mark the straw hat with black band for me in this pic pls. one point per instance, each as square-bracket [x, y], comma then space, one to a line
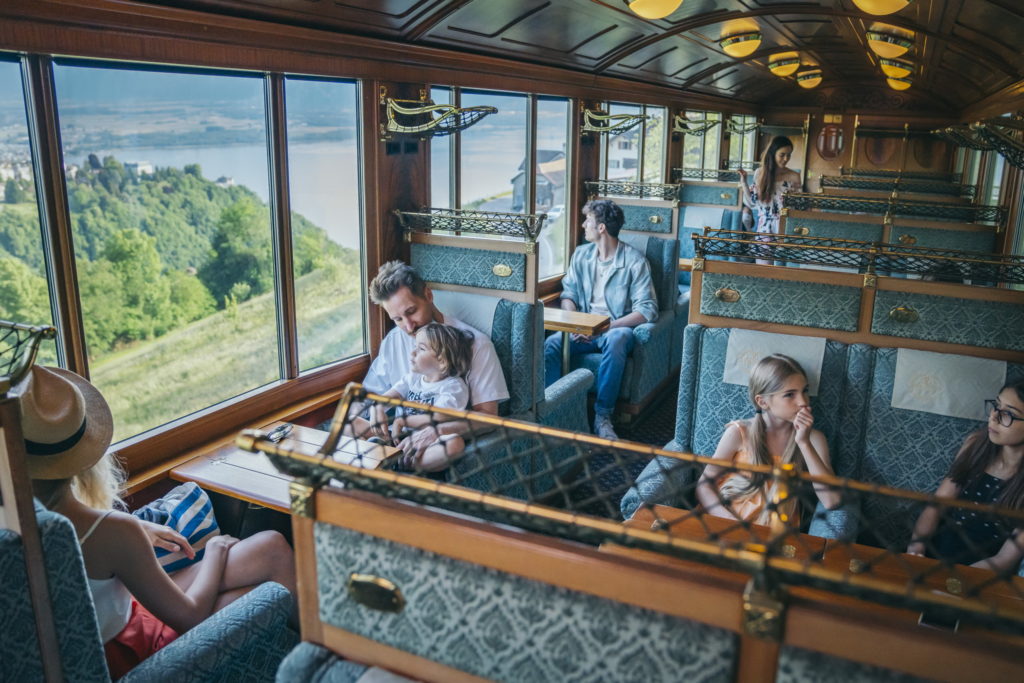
[65, 421]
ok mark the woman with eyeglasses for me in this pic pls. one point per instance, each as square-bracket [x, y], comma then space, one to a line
[987, 470]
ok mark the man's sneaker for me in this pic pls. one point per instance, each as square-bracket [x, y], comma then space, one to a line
[603, 427]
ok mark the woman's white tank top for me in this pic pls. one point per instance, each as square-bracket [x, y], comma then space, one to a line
[112, 600]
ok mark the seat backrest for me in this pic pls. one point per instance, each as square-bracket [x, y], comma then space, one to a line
[663, 258]
[517, 332]
[78, 634]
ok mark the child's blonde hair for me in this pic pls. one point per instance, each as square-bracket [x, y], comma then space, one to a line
[767, 377]
[100, 486]
[452, 346]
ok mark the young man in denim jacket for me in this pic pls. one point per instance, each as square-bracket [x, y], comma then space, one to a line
[610, 278]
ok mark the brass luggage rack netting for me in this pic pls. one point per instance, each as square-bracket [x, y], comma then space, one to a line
[19, 344]
[1002, 134]
[728, 176]
[619, 188]
[681, 124]
[424, 119]
[898, 185]
[615, 124]
[569, 485]
[869, 257]
[964, 213]
[525, 226]
[892, 173]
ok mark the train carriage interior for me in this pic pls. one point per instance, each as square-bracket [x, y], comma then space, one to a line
[512, 340]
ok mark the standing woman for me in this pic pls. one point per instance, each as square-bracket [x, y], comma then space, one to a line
[772, 180]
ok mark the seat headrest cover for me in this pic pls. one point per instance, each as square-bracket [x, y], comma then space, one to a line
[476, 310]
[747, 347]
[946, 384]
[699, 216]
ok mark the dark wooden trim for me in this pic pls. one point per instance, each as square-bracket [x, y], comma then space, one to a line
[150, 453]
[54, 215]
[530, 186]
[281, 221]
[134, 31]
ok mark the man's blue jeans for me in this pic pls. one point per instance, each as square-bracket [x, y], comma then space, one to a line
[614, 346]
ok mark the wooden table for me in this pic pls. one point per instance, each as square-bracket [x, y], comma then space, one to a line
[573, 322]
[252, 477]
[727, 532]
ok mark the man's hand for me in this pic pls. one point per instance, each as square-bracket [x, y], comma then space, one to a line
[416, 443]
[581, 338]
[165, 537]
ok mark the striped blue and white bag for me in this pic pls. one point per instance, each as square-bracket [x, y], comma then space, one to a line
[187, 510]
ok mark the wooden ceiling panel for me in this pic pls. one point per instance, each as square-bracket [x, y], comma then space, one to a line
[970, 47]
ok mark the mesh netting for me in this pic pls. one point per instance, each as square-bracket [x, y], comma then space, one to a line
[426, 119]
[899, 185]
[462, 221]
[948, 265]
[619, 188]
[576, 486]
[18, 347]
[964, 213]
[888, 173]
[679, 174]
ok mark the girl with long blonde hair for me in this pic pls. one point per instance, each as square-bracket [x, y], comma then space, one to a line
[780, 433]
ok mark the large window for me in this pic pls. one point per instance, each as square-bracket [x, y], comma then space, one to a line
[24, 296]
[323, 168]
[173, 232]
[549, 190]
[742, 141]
[489, 163]
[701, 149]
[638, 155]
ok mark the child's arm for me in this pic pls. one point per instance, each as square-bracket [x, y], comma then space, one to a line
[814, 448]
[707, 489]
[1009, 555]
[133, 561]
[928, 521]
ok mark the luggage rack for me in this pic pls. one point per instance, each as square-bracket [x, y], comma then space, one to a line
[899, 185]
[461, 221]
[19, 345]
[970, 213]
[868, 257]
[619, 188]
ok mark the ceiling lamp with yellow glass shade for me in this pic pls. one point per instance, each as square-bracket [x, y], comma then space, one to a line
[899, 83]
[809, 78]
[654, 9]
[741, 44]
[784, 64]
[881, 7]
[896, 68]
[889, 41]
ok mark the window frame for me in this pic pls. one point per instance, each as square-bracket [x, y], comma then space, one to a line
[145, 455]
[703, 138]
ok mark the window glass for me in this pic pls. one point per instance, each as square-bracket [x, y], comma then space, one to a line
[550, 196]
[323, 168]
[441, 158]
[973, 168]
[994, 183]
[654, 144]
[493, 155]
[701, 151]
[24, 295]
[622, 151]
[167, 188]
[742, 146]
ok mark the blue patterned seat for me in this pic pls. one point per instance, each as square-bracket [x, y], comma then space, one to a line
[245, 641]
[517, 331]
[647, 369]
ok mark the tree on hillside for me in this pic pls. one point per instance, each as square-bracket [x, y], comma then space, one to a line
[23, 294]
[16, 191]
[241, 252]
[145, 294]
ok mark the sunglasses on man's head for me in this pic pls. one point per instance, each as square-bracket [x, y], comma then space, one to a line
[1003, 417]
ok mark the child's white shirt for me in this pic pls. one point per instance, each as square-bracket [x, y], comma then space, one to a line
[450, 392]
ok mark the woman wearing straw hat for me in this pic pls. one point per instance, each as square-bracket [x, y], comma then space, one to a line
[67, 428]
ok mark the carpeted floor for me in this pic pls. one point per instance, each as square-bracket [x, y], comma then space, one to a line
[608, 476]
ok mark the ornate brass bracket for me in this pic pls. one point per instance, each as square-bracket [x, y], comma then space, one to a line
[422, 118]
[617, 124]
[763, 612]
[681, 124]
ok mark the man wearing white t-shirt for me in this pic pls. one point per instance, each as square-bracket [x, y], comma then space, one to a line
[403, 294]
[610, 278]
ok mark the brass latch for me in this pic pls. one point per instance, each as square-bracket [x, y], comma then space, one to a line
[801, 230]
[904, 314]
[727, 295]
[655, 219]
[375, 592]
